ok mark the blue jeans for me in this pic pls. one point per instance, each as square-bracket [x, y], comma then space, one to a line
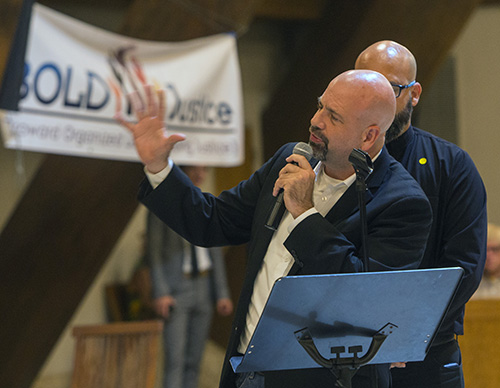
[250, 380]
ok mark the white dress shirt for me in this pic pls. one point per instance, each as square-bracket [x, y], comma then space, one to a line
[202, 258]
[278, 261]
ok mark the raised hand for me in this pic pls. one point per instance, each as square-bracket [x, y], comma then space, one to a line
[152, 142]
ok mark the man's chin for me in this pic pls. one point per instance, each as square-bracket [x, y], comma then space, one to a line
[318, 151]
[315, 146]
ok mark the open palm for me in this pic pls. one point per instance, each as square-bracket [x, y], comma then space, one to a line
[152, 142]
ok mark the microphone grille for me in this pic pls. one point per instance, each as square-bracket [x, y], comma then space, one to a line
[303, 149]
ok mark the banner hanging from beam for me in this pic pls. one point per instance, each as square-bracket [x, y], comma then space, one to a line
[74, 74]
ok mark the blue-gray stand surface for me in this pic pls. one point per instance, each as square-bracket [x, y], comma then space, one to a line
[345, 321]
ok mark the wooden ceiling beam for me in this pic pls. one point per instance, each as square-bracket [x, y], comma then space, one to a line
[428, 28]
[176, 20]
[291, 9]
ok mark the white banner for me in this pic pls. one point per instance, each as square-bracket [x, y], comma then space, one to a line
[74, 74]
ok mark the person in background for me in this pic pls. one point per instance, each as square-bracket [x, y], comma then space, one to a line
[454, 187]
[490, 283]
[186, 282]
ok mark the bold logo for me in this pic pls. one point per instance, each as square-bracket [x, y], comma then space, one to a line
[51, 84]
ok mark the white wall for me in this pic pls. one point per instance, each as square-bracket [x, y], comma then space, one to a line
[477, 54]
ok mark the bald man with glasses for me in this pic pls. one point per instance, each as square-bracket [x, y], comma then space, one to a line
[458, 199]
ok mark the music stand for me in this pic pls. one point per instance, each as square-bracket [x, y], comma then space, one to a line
[375, 317]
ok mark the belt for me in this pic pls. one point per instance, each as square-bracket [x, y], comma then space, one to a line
[443, 339]
[201, 274]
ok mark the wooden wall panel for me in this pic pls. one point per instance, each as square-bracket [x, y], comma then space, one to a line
[480, 343]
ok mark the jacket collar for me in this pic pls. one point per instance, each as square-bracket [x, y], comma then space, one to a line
[348, 203]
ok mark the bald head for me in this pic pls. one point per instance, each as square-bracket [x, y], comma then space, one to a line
[398, 65]
[368, 96]
[389, 58]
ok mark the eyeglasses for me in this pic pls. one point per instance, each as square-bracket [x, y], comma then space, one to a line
[398, 88]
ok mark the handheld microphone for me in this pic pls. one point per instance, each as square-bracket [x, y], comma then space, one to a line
[278, 209]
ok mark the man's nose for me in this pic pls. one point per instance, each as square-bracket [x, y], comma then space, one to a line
[316, 122]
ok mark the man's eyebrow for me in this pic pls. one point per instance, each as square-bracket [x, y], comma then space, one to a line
[337, 116]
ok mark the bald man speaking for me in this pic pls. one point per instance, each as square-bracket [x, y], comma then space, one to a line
[319, 233]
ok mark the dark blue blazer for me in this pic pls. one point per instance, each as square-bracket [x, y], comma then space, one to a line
[398, 215]
[457, 195]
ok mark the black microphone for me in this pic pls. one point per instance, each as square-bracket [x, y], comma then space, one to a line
[278, 209]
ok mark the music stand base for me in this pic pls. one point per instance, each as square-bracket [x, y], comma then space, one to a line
[344, 368]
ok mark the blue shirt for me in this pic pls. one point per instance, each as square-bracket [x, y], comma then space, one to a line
[457, 195]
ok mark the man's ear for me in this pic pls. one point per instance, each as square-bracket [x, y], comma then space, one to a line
[416, 91]
[370, 136]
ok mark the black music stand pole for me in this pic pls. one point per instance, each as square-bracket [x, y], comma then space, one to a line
[363, 167]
